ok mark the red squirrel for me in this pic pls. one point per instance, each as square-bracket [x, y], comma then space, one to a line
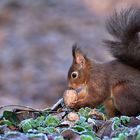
[116, 84]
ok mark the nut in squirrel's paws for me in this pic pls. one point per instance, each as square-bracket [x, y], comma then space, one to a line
[70, 98]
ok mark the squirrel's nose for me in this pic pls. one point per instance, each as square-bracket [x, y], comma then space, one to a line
[70, 88]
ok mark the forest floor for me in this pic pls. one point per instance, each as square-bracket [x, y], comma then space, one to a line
[60, 123]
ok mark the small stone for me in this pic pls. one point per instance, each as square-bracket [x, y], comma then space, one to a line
[72, 116]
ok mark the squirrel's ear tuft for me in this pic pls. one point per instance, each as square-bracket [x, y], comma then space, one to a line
[75, 48]
[78, 56]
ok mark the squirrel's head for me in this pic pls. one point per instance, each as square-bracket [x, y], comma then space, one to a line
[78, 73]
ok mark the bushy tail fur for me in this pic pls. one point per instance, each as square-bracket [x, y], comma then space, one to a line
[124, 27]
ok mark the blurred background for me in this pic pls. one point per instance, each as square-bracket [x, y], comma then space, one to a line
[36, 37]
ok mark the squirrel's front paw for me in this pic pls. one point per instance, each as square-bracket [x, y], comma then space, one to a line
[70, 98]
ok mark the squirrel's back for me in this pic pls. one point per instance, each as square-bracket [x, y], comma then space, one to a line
[124, 27]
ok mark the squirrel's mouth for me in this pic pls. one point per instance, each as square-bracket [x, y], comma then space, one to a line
[82, 88]
[79, 89]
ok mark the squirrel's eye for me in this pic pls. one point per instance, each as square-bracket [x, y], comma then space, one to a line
[74, 74]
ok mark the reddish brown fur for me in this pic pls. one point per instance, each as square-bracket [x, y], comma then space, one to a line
[113, 84]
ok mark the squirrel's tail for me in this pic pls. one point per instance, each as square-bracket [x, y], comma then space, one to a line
[124, 27]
